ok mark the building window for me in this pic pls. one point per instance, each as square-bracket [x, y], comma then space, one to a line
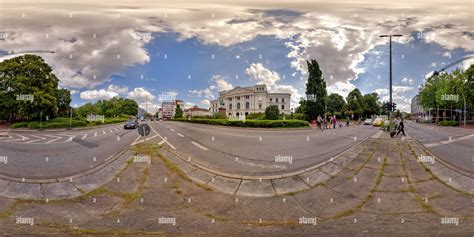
[247, 97]
[276, 100]
[238, 97]
[229, 99]
[282, 106]
[271, 99]
[238, 105]
[247, 105]
[246, 113]
[283, 100]
[230, 106]
[259, 106]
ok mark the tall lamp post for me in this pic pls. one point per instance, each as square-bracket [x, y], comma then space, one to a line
[390, 76]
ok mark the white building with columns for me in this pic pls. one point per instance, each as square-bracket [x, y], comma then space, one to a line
[246, 100]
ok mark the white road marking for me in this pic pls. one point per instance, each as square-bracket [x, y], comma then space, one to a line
[95, 134]
[179, 134]
[57, 138]
[448, 141]
[70, 138]
[103, 132]
[84, 137]
[136, 139]
[22, 137]
[377, 134]
[141, 140]
[110, 130]
[31, 141]
[200, 146]
[172, 129]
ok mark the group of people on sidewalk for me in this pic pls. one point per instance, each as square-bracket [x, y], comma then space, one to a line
[330, 121]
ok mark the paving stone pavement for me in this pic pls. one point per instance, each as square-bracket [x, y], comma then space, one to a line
[382, 190]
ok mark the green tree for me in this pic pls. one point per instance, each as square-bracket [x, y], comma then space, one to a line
[355, 103]
[370, 105]
[127, 107]
[272, 112]
[179, 112]
[63, 97]
[84, 110]
[335, 103]
[28, 75]
[315, 103]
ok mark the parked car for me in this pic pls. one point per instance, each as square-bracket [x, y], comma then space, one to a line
[368, 122]
[132, 124]
[378, 122]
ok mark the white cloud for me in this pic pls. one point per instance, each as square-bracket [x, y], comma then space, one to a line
[188, 105]
[140, 95]
[467, 63]
[402, 89]
[221, 83]
[331, 35]
[207, 93]
[407, 80]
[262, 75]
[205, 102]
[98, 94]
[341, 88]
[118, 89]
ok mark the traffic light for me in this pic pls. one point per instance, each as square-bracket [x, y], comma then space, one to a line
[394, 106]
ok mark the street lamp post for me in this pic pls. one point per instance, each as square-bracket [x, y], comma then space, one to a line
[390, 76]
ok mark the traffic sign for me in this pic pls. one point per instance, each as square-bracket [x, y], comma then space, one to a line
[144, 130]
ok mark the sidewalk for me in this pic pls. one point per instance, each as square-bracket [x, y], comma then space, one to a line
[379, 188]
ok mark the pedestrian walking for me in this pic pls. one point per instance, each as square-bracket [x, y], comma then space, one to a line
[320, 120]
[401, 128]
[334, 121]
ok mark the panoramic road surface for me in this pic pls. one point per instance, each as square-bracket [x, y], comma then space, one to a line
[33, 154]
[259, 151]
[453, 145]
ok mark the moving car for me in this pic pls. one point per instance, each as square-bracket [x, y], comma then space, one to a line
[132, 124]
[378, 122]
[368, 122]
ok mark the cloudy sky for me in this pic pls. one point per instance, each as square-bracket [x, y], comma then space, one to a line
[154, 50]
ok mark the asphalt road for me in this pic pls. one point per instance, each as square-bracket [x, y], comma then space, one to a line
[453, 145]
[54, 154]
[259, 151]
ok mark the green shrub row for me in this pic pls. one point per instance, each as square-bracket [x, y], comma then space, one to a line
[250, 123]
[65, 123]
[448, 123]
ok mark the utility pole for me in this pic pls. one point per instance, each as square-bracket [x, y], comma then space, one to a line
[390, 76]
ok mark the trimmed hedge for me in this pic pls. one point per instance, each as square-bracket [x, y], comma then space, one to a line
[64, 123]
[448, 123]
[250, 123]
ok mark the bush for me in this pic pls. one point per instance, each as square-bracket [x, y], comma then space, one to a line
[65, 123]
[250, 123]
[448, 123]
[298, 116]
[257, 116]
[20, 125]
[272, 112]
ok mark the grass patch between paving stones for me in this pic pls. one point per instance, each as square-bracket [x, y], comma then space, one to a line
[366, 199]
[436, 177]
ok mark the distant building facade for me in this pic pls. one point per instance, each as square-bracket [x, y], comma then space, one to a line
[196, 111]
[246, 100]
[168, 108]
[417, 112]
